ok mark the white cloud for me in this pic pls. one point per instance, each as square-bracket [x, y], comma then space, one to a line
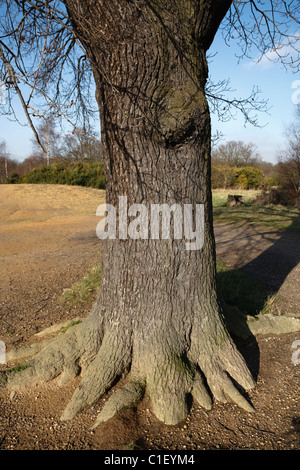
[288, 51]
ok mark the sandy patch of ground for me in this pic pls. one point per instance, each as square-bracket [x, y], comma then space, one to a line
[47, 243]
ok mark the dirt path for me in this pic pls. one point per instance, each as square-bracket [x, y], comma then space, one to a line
[268, 255]
[47, 243]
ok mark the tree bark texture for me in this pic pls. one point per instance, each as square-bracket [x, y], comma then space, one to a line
[157, 315]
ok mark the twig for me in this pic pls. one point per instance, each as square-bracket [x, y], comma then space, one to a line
[225, 427]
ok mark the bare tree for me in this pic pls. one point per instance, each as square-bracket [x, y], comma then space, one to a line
[289, 159]
[158, 316]
[236, 153]
[8, 165]
[50, 140]
[43, 65]
[78, 146]
[4, 157]
[29, 163]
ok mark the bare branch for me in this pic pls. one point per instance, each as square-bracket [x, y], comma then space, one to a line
[14, 82]
[41, 46]
[43, 54]
[261, 26]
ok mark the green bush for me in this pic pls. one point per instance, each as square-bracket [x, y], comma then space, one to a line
[224, 176]
[13, 179]
[248, 177]
[89, 174]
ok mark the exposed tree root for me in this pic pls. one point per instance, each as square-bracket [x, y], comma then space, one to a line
[200, 393]
[112, 359]
[65, 355]
[222, 368]
[121, 399]
[169, 377]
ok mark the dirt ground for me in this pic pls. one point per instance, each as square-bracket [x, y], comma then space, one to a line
[47, 243]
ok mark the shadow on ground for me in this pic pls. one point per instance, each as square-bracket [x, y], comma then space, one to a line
[246, 291]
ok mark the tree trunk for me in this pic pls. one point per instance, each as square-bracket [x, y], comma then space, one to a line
[157, 315]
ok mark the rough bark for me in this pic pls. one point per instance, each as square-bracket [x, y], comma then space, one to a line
[157, 315]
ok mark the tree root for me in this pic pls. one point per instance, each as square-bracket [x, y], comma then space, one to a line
[123, 398]
[112, 359]
[200, 393]
[169, 377]
[65, 355]
[246, 326]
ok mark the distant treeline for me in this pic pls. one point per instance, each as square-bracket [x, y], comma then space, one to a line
[89, 174]
[76, 159]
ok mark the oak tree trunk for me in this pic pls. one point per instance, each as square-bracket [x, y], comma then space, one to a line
[157, 315]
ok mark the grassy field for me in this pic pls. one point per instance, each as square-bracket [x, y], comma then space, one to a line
[277, 217]
[220, 195]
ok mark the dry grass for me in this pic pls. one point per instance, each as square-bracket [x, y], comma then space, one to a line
[220, 195]
[276, 217]
[40, 202]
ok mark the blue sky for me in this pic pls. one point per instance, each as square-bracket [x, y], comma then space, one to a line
[274, 82]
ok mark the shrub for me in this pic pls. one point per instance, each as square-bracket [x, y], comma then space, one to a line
[13, 179]
[248, 177]
[278, 196]
[224, 176]
[89, 174]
